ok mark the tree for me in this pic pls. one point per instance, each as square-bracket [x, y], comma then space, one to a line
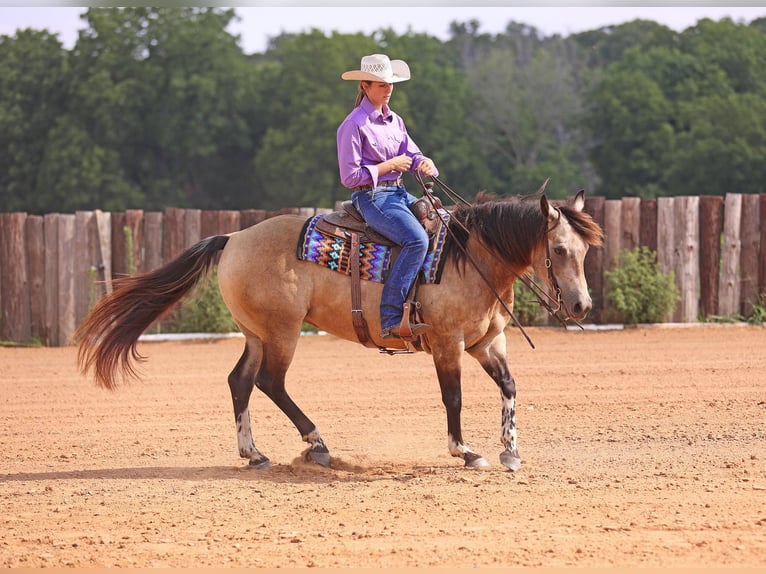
[630, 120]
[33, 72]
[170, 89]
[526, 104]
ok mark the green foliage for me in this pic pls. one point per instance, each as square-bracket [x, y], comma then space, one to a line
[638, 290]
[203, 311]
[526, 307]
[158, 107]
[758, 316]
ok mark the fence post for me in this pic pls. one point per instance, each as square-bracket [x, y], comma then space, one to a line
[52, 287]
[711, 226]
[687, 260]
[66, 276]
[630, 222]
[750, 240]
[728, 287]
[14, 323]
[647, 235]
[153, 241]
[594, 260]
[173, 233]
[666, 238]
[34, 240]
[192, 227]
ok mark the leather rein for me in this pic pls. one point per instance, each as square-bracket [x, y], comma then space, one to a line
[553, 304]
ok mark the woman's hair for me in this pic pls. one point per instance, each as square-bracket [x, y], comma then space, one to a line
[360, 93]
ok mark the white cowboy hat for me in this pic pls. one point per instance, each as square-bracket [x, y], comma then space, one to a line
[378, 68]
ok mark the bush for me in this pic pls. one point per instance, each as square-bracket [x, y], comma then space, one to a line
[638, 290]
[526, 307]
[203, 311]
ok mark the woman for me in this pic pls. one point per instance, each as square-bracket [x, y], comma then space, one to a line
[374, 150]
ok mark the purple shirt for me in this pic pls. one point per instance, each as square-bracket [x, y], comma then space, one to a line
[367, 138]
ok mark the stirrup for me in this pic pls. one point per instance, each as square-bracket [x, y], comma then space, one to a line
[395, 332]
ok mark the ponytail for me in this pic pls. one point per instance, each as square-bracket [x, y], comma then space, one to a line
[360, 94]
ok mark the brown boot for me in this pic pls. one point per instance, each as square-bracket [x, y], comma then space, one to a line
[394, 332]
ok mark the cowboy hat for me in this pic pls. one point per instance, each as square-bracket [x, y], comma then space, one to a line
[378, 68]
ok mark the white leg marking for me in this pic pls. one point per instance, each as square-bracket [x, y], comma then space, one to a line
[245, 435]
[508, 433]
[457, 449]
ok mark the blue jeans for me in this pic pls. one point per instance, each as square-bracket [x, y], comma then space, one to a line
[386, 210]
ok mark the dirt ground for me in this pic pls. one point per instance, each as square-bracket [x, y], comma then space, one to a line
[641, 447]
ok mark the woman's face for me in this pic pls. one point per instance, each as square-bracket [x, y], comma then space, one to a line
[378, 92]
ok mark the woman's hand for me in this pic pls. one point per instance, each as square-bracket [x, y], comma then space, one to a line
[401, 163]
[427, 167]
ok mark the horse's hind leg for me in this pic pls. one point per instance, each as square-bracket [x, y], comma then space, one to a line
[241, 381]
[271, 381]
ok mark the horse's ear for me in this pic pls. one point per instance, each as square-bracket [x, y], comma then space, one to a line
[579, 201]
[547, 209]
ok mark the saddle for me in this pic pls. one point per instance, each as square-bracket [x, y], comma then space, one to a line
[348, 220]
[348, 223]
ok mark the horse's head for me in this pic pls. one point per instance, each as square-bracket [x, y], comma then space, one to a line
[570, 232]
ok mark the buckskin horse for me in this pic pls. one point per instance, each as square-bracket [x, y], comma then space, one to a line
[271, 292]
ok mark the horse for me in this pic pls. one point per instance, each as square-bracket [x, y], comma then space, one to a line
[271, 293]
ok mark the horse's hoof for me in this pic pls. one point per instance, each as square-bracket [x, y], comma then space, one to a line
[262, 463]
[473, 460]
[511, 459]
[321, 458]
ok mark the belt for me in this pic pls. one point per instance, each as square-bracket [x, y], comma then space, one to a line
[381, 183]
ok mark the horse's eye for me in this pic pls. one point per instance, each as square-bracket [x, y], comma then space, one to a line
[559, 251]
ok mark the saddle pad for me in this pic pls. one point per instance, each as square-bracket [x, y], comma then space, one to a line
[375, 260]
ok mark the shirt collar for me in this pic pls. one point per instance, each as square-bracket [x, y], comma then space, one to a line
[369, 109]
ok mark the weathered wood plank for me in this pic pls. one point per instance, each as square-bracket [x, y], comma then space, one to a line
[134, 222]
[687, 258]
[34, 240]
[750, 239]
[85, 272]
[119, 244]
[666, 238]
[228, 221]
[153, 241]
[728, 286]
[66, 270]
[711, 227]
[14, 294]
[209, 223]
[173, 233]
[192, 227]
[612, 232]
[630, 222]
[647, 235]
[594, 260]
[52, 287]
[103, 222]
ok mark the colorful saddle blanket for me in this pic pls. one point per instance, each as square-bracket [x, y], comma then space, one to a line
[375, 259]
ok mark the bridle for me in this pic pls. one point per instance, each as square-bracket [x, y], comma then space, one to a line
[552, 303]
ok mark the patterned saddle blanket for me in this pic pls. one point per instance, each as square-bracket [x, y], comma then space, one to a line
[326, 240]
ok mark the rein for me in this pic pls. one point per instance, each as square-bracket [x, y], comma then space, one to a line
[540, 294]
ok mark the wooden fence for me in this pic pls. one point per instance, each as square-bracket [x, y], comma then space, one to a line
[54, 267]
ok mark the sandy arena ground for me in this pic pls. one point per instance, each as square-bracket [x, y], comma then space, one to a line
[642, 447]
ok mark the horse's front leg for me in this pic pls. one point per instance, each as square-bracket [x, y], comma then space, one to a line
[494, 360]
[448, 372]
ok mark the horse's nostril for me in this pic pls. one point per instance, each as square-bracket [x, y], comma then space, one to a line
[578, 308]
